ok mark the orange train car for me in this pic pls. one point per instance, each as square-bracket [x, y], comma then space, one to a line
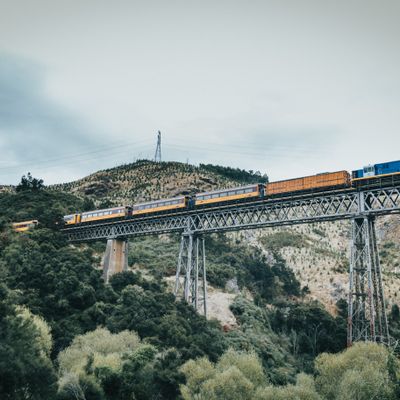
[309, 183]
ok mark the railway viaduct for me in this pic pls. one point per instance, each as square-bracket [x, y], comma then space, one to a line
[367, 318]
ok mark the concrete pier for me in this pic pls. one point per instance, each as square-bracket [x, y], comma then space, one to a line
[115, 258]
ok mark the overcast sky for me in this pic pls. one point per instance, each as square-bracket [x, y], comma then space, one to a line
[285, 87]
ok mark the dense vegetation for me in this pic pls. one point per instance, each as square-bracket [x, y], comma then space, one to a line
[65, 335]
[236, 174]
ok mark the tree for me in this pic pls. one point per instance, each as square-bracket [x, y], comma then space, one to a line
[366, 371]
[236, 376]
[94, 362]
[303, 390]
[26, 371]
[28, 183]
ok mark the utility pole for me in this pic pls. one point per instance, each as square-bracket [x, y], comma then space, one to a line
[157, 155]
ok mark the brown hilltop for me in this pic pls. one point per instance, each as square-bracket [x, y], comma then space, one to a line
[147, 180]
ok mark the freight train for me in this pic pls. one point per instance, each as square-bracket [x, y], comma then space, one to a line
[309, 184]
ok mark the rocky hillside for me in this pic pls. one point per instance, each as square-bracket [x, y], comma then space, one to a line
[318, 253]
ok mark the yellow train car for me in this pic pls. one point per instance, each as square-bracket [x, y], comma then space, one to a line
[72, 219]
[156, 206]
[238, 193]
[24, 225]
[105, 214]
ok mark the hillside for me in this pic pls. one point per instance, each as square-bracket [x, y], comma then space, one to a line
[62, 326]
[147, 180]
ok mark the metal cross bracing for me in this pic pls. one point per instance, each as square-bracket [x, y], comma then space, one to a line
[367, 314]
[367, 318]
[190, 280]
[306, 208]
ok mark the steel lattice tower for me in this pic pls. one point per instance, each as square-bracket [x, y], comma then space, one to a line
[192, 267]
[367, 319]
[157, 155]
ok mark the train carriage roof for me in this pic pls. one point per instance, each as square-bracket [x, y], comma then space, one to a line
[32, 221]
[228, 189]
[103, 209]
[159, 201]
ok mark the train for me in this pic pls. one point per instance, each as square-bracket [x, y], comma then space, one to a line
[24, 226]
[289, 187]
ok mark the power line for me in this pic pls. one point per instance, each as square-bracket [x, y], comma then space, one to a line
[109, 150]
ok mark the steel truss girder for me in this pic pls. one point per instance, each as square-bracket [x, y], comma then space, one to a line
[276, 212]
[367, 318]
[191, 280]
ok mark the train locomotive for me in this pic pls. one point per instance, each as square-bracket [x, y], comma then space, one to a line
[370, 175]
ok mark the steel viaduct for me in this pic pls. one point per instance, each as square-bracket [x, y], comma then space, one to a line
[367, 318]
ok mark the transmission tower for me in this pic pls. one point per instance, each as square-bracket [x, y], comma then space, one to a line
[157, 155]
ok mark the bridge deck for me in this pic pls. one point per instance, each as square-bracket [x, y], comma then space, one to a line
[291, 209]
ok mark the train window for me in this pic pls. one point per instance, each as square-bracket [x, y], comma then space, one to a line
[214, 196]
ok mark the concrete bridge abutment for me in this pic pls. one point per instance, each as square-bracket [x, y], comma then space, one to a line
[115, 258]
